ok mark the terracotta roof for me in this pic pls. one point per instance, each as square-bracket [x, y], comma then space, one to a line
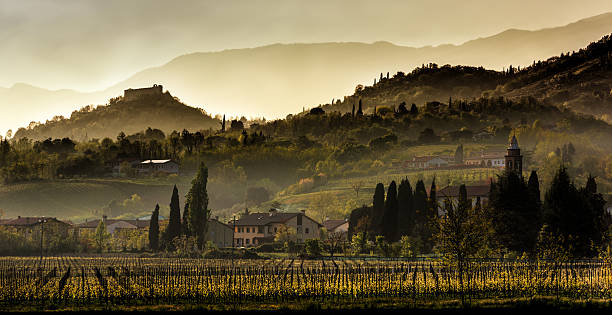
[25, 221]
[260, 218]
[472, 191]
[332, 224]
[94, 223]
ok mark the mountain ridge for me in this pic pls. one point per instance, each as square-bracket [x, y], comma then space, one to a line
[279, 79]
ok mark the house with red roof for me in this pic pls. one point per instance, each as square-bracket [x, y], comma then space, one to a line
[253, 229]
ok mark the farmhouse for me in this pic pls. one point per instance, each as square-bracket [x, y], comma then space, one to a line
[473, 192]
[487, 159]
[430, 161]
[337, 226]
[219, 233]
[31, 226]
[258, 228]
[114, 226]
[164, 166]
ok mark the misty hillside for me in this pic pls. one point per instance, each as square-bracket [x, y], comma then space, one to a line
[581, 81]
[280, 79]
[166, 113]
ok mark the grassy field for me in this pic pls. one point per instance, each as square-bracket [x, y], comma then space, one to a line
[76, 199]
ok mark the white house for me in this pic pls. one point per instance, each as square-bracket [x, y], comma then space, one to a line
[428, 162]
[165, 166]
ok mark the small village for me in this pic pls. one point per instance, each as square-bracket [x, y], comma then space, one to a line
[249, 229]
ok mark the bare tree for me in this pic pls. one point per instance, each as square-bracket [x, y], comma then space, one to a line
[357, 186]
[334, 241]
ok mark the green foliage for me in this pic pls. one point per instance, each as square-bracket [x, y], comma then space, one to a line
[359, 243]
[517, 215]
[101, 237]
[575, 216]
[197, 209]
[461, 230]
[313, 247]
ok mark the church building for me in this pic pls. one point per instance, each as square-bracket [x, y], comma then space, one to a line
[514, 159]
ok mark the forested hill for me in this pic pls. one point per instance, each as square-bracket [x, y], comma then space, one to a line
[166, 113]
[580, 80]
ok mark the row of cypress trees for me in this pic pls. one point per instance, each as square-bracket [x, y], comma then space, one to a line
[195, 217]
[402, 212]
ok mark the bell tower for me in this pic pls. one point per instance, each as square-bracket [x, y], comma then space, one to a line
[514, 159]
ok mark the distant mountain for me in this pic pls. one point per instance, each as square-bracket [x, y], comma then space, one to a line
[279, 79]
[162, 112]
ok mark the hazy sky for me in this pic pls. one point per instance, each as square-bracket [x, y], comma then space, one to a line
[91, 44]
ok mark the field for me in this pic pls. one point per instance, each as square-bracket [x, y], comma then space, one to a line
[116, 282]
[76, 199]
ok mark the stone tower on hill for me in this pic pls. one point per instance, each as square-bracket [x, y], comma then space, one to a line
[514, 159]
[135, 94]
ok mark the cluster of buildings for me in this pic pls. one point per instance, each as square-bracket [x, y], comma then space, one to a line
[495, 159]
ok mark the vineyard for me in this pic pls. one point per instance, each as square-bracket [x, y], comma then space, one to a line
[82, 281]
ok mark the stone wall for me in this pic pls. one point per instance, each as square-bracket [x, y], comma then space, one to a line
[135, 94]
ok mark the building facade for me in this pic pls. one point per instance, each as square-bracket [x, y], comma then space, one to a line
[219, 233]
[164, 166]
[474, 193]
[337, 226]
[259, 228]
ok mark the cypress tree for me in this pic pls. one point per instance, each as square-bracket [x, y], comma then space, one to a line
[433, 201]
[414, 110]
[353, 111]
[595, 226]
[420, 208]
[198, 212]
[574, 215]
[391, 214]
[185, 224]
[514, 220]
[535, 202]
[174, 222]
[154, 230]
[463, 204]
[405, 202]
[378, 208]
[360, 110]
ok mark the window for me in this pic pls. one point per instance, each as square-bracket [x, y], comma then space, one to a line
[299, 229]
[248, 230]
[275, 230]
[248, 240]
[260, 229]
[306, 231]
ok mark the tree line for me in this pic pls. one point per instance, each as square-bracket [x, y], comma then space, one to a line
[570, 222]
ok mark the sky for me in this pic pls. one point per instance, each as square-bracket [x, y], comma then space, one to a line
[88, 45]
